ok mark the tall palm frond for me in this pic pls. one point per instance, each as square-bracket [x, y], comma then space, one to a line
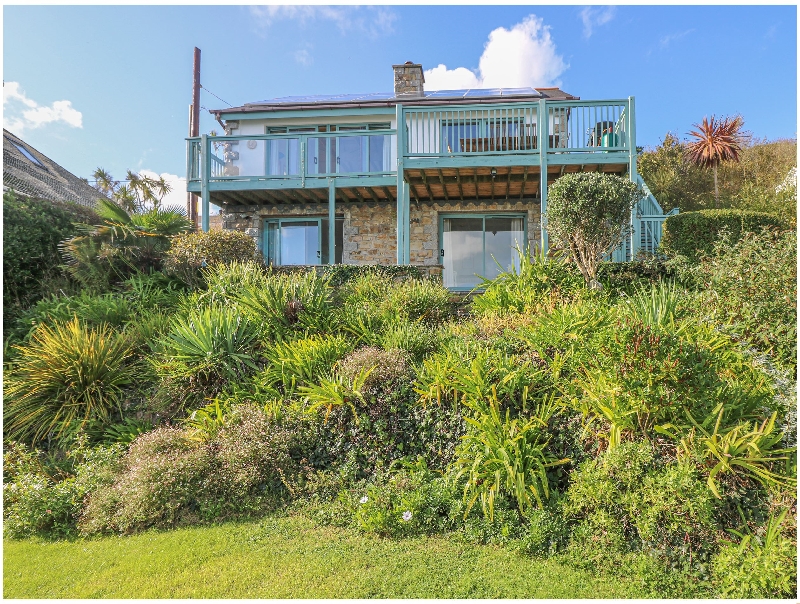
[717, 141]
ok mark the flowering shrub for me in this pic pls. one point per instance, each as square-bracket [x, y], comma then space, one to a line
[192, 252]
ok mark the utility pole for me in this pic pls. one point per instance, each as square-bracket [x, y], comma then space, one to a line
[194, 128]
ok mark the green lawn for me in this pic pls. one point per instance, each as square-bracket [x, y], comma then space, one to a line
[286, 557]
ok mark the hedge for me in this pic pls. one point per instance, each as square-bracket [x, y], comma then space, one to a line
[693, 234]
[32, 230]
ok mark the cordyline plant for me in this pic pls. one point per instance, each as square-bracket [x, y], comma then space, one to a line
[717, 141]
[589, 215]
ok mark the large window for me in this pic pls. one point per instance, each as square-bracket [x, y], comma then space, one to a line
[290, 241]
[475, 246]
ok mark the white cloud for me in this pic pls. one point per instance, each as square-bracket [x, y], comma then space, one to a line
[522, 56]
[595, 17]
[372, 21]
[20, 112]
[665, 41]
[177, 196]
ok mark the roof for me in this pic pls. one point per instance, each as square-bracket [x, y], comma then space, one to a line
[31, 173]
[378, 99]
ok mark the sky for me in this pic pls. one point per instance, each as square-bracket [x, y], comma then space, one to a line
[110, 86]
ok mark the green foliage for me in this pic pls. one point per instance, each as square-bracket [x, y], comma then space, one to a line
[66, 373]
[629, 493]
[503, 456]
[192, 252]
[751, 285]
[588, 214]
[206, 350]
[694, 234]
[289, 305]
[126, 431]
[537, 282]
[122, 244]
[657, 307]
[760, 566]
[412, 501]
[413, 337]
[32, 230]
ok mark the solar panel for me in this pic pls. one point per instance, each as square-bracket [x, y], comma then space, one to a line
[385, 96]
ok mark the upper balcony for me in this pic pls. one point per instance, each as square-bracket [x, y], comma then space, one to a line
[445, 151]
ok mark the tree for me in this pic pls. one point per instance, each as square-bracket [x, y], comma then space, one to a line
[140, 192]
[717, 141]
[122, 243]
[589, 214]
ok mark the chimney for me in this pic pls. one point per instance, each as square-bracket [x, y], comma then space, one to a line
[408, 80]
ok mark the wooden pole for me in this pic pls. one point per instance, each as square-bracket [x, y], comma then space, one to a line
[194, 125]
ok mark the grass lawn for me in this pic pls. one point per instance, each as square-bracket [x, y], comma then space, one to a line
[287, 557]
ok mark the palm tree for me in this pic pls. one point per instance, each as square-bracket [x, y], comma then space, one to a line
[142, 191]
[717, 141]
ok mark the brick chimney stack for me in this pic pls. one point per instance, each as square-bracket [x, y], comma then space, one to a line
[408, 79]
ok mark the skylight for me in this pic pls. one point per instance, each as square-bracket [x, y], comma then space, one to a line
[27, 154]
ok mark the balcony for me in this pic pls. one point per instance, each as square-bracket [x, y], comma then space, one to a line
[442, 150]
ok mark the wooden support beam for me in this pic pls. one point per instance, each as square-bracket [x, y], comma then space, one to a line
[475, 177]
[387, 192]
[281, 196]
[460, 188]
[427, 186]
[524, 180]
[358, 194]
[307, 195]
[444, 186]
[562, 170]
[413, 190]
[492, 185]
[508, 184]
[371, 191]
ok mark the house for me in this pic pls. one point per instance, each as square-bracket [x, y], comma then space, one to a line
[33, 174]
[333, 179]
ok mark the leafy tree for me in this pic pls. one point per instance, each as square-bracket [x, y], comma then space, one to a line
[717, 141]
[589, 214]
[137, 195]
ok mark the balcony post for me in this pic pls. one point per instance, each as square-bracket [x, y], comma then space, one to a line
[205, 166]
[331, 221]
[635, 241]
[403, 226]
[543, 126]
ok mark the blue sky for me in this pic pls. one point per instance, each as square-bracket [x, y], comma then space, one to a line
[110, 86]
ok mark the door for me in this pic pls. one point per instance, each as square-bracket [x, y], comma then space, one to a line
[475, 246]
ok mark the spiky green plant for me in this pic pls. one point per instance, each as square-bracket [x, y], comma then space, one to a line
[337, 391]
[67, 372]
[716, 141]
[658, 306]
[500, 456]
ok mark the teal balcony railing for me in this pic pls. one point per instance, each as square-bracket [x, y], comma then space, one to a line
[441, 132]
[324, 154]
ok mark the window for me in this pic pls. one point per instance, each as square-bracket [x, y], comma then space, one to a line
[289, 241]
[28, 154]
[475, 246]
[484, 134]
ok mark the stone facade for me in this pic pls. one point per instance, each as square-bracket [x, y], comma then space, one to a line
[370, 229]
[408, 79]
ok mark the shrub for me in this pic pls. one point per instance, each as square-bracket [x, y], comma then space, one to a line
[206, 350]
[289, 305]
[752, 285]
[387, 366]
[760, 566]
[168, 480]
[693, 234]
[418, 300]
[589, 215]
[192, 252]
[32, 230]
[537, 282]
[416, 338]
[628, 491]
[66, 373]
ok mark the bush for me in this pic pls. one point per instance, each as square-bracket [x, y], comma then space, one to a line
[751, 285]
[32, 230]
[760, 566]
[205, 351]
[693, 234]
[538, 282]
[67, 373]
[192, 252]
[169, 480]
[628, 491]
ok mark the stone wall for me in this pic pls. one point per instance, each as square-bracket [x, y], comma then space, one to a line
[370, 229]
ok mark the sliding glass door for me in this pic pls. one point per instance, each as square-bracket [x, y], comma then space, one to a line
[293, 241]
[475, 246]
